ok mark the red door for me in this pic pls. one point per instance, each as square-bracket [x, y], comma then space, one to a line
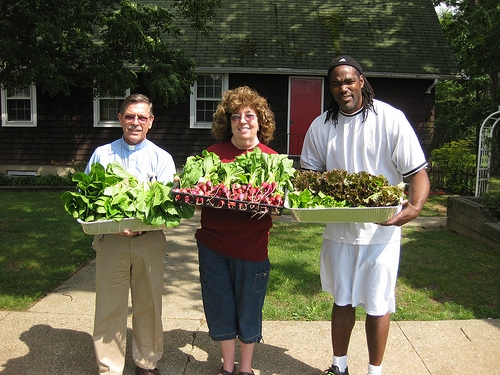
[306, 103]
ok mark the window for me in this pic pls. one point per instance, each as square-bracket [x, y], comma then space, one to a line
[106, 110]
[19, 107]
[205, 95]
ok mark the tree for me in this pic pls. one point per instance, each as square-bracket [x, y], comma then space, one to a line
[99, 44]
[472, 28]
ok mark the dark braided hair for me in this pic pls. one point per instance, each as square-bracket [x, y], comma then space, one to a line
[367, 98]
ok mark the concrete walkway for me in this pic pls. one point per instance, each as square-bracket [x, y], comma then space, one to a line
[54, 336]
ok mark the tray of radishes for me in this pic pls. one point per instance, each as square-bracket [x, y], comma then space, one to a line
[254, 182]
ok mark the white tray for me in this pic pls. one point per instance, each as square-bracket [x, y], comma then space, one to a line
[111, 226]
[344, 214]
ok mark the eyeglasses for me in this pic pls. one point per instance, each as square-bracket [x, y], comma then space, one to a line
[142, 120]
[248, 117]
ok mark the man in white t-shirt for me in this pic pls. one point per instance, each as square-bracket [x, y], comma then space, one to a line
[359, 261]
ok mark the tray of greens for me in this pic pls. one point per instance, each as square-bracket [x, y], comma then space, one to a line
[254, 182]
[107, 196]
[111, 226]
[337, 196]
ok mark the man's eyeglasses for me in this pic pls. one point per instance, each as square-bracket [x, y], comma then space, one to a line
[248, 117]
[142, 120]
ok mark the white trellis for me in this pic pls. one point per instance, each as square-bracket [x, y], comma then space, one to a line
[484, 152]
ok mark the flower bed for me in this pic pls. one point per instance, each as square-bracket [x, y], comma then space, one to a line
[467, 216]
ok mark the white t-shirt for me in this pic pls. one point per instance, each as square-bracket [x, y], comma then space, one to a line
[385, 144]
[146, 161]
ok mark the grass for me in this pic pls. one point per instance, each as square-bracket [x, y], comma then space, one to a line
[40, 247]
[443, 275]
[435, 206]
[494, 183]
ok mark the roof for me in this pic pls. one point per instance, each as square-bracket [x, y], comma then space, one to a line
[389, 38]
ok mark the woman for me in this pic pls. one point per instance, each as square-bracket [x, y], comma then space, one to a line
[233, 254]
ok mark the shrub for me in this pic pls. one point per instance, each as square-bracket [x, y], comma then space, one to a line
[456, 164]
[47, 180]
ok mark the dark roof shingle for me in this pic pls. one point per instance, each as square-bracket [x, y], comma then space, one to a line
[389, 38]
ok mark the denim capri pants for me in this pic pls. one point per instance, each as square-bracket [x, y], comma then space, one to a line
[233, 292]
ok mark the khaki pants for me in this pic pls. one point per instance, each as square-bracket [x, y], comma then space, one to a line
[137, 264]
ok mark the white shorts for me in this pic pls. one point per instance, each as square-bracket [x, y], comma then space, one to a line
[361, 275]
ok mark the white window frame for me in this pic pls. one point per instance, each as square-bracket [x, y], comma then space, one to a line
[19, 123]
[98, 123]
[193, 124]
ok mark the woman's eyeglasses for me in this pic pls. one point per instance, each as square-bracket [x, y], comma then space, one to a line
[248, 117]
[142, 120]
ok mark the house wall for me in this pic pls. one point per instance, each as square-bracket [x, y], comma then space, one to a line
[65, 134]
[275, 89]
[411, 97]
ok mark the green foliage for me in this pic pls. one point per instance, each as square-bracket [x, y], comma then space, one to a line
[112, 193]
[101, 45]
[460, 111]
[47, 180]
[457, 163]
[338, 188]
[472, 30]
[253, 167]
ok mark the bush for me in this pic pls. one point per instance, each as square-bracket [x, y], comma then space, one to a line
[47, 180]
[456, 164]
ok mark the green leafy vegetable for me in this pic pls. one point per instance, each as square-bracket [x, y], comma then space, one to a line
[338, 188]
[252, 177]
[112, 193]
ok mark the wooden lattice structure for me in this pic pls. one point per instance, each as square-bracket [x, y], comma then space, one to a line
[484, 152]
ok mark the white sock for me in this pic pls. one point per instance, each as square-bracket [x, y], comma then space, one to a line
[340, 362]
[374, 370]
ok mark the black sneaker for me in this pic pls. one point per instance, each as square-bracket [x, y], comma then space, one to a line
[334, 370]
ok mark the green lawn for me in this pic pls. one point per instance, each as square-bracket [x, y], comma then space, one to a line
[443, 275]
[40, 247]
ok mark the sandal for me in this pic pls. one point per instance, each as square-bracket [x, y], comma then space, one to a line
[224, 372]
[247, 373]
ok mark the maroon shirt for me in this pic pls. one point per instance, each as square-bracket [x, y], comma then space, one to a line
[236, 234]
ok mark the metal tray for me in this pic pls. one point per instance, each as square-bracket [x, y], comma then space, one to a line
[344, 214]
[111, 226]
[229, 204]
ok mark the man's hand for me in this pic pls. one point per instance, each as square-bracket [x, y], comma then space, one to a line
[128, 233]
[417, 195]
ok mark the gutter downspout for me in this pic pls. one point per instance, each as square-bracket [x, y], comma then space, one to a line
[429, 89]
